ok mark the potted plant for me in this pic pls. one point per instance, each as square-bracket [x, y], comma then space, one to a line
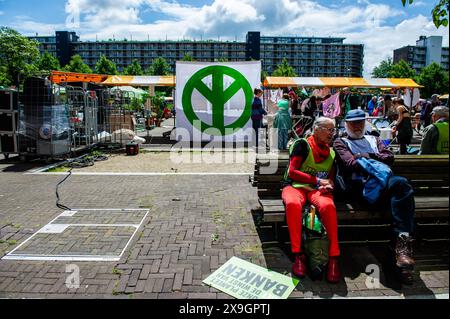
[158, 106]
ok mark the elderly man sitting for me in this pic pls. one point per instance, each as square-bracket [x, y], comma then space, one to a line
[357, 152]
[435, 137]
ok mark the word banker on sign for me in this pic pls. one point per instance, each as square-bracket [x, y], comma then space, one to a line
[245, 280]
[213, 100]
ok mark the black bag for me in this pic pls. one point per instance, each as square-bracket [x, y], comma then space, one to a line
[315, 242]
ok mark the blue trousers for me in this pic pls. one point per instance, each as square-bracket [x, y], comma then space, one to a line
[283, 138]
[400, 195]
[256, 124]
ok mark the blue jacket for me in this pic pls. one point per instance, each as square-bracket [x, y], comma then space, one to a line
[257, 109]
[377, 181]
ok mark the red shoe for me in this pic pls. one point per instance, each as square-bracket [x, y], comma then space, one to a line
[334, 272]
[299, 266]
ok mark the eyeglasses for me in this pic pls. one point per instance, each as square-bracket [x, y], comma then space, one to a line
[329, 130]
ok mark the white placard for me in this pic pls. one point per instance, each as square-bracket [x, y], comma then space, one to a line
[213, 100]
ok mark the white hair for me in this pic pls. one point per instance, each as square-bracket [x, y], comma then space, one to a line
[352, 134]
[321, 121]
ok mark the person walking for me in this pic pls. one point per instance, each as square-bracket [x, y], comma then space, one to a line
[402, 126]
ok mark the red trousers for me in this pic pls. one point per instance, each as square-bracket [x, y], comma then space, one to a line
[294, 200]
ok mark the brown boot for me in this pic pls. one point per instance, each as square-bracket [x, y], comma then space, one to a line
[406, 276]
[403, 252]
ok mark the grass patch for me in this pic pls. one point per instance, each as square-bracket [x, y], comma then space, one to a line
[9, 242]
[214, 238]
[116, 271]
[59, 169]
[217, 217]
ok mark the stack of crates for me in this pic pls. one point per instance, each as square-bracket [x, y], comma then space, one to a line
[9, 121]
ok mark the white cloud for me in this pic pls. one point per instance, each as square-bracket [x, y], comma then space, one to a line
[362, 22]
[418, 4]
[380, 42]
[27, 26]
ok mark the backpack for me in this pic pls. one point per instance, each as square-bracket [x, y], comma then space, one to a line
[314, 241]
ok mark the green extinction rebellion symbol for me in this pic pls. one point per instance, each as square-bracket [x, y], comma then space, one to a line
[218, 97]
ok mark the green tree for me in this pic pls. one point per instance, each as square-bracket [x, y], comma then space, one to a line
[47, 62]
[439, 12]
[284, 69]
[434, 79]
[187, 57]
[264, 75]
[157, 102]
[17, 55]
[402, 70]
[105, 66]
[383, 70]
[159, 67]
[76, 64]
[4, 81]
[133, 69]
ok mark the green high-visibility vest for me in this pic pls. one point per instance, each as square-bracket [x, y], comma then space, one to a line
[442, 144]
[320, 170]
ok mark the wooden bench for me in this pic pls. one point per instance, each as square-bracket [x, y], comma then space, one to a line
[359, 223]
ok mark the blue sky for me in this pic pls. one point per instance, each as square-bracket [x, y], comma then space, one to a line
[380, 25]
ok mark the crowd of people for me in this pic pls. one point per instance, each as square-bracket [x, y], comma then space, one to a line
[402, 119]
[357, 162]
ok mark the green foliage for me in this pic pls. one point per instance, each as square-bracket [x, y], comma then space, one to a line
[17, 54]
[135, 105]
[434, 79]
[105, 66]
[264, 75]
[402, 70]
[383, 70]
[76, 64]
[439, 12]
[4, 81]
[133, 69]
[159, 67]
[187, 57]
[284, 69]
[47, 62]
[387, 69]
[157, 102]
[223, 59]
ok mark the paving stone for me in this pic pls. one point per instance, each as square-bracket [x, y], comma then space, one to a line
[173, 254]
[187, 280]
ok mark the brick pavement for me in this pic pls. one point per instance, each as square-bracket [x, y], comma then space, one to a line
[195, 224]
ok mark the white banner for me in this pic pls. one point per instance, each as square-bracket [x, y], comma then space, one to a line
[213, 100]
